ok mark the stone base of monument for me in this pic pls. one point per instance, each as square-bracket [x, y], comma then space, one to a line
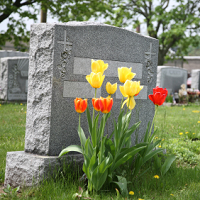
[27, 169]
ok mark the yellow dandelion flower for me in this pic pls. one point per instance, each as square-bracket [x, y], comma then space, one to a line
[25, 112]
[156, 138]
[21, 104]
[163, 139]
[131, 193]
[159, 146]
[195, 111]
[193, 133]
[0, 104]
[171, 194]
[156, 176]
[198, 122]
[186, 132]
[140, 199]
[180, 133]
[183, 108]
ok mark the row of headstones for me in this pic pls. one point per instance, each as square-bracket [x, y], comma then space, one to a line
[13, 75]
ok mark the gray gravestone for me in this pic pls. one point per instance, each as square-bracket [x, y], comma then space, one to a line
[171, 78]
[195, 74]
[14, 78]
[10, 53]
[60, 57]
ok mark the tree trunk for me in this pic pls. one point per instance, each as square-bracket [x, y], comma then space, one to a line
[161, 58]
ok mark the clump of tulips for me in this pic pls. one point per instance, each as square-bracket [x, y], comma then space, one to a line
[103, 154]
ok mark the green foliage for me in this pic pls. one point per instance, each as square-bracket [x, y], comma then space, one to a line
[173, 23]
[9, 192]
[102, 156]
[64, 10]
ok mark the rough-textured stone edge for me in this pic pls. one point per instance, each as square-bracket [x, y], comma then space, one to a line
[25, 169]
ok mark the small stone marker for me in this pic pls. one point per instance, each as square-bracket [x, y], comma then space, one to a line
[60, 57]
[9, 53]
[195, 74]
[14, 78]
[171, 78]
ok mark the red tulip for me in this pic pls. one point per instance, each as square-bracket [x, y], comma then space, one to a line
[159, 95]
[102, 104]
[80, 105]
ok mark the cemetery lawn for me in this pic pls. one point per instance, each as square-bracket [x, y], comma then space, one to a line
[179, 129]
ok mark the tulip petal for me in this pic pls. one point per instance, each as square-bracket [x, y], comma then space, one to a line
[131, 103]
[122, 90]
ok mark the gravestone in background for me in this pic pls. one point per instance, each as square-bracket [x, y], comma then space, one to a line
[14, 78]
[10, 53]
[171, 78]
[60, 57]
[195, 74]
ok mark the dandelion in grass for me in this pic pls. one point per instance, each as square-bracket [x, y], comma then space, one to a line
[198, 122]
[159, 146]
[156, 176]
[140, 199]
[156, 138]
[195, 111]
[131, 193]
[193, 133]
[180, 133]
[171, 194]
[21, 104]
[0, 104]
[163, 139]
[186, 132]
[183, 108]
[25, 112]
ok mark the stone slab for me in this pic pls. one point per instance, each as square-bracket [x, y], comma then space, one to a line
[83, 66]
[14, 78]
[25, 169]
[171, 78]
[56, 51]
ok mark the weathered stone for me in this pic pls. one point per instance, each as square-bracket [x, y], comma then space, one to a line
[14, 78]
[27, 169]
[195, 74]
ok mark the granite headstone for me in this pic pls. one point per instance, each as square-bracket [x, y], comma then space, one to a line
[60, 57]
[195, 74]
[171, 78]
[14, 78]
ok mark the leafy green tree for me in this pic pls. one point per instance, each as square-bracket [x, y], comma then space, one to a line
[175, 23]
[64, 10]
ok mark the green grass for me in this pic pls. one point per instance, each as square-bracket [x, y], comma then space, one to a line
[182, 180]
[12, 131]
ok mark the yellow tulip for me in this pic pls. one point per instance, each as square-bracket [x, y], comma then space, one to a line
[95, 79]
[125, 73]
[129, 90]
[98, 66]
[111, 89]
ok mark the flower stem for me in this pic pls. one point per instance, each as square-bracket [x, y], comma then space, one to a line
[153, 120]
[79, 123]
[121, 104]
[95, 94]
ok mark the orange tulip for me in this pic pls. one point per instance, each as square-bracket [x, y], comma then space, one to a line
[102, 104]
[80, 105]
[96, 104]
